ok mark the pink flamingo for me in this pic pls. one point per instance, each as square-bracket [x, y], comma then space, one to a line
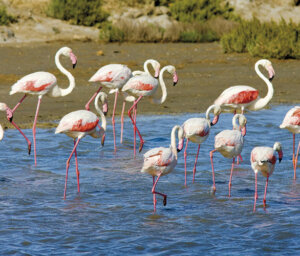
[196, 130]
[114, 76]
[242, 96]
[230, 144]
[145, 85]
[4, 107]
[263, 159]
[43, 83]
[291, 122]
[161, 161]
[78, 124]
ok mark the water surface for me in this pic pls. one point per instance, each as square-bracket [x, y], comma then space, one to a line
[113, 214]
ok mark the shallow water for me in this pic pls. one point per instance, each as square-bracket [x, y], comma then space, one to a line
[113, 214]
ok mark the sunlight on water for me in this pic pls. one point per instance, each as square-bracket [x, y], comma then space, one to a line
[114, 211]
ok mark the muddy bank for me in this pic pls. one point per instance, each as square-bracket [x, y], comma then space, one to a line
[203, 71]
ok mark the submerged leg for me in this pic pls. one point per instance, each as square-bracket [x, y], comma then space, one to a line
[266, 187]
[87, 105]
[122, 121]
[34, 127]
[296, 160]
[294, 135]
[77, 170]
[212, 167]
[185, 156]
[113, 120]
[194, 170]
[68, 165]
[230, 178]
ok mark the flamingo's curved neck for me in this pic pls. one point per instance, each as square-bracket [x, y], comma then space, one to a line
[103, 119]
[262, 102]
[208, 111]
[173, 139]
[163, 88]
[57, 91]
[234, 124]
[1, 132]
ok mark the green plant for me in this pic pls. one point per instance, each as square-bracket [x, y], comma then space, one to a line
[110, 33]
[79, 12]
[5, 18]
[267, 40]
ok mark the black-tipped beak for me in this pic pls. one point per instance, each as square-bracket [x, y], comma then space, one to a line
[105, 113]
[156, 77]
[280, 160]
[212, 124]
[178, 150]
[174, 83]
[74, 65]
[271, 78]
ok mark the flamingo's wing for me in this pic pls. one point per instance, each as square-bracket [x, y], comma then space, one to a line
[143, 85]
[292, 117]
[157, 157]
[80, 121]
[196, 126]
[262, 155]
[34, 83]
[240, 94]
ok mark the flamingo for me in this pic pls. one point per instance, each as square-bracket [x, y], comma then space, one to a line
[291, 122]
[4, 107]
[230, 144]
[145, 85]
[243, 96]
[196, 130]
[161, 161]
[263, 159]
[114, 76]
[1, 132]
[43, 83]
[77, 125]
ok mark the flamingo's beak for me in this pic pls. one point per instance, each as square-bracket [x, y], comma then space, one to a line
[73, 59]
[175, 79]
[103, 140]
[215, 120]
[180, 145]
[156, 75]
[271, 72]
[105, 108]
[244, 131]
[280, 154]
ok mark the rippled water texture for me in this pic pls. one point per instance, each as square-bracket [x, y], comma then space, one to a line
[113, 214]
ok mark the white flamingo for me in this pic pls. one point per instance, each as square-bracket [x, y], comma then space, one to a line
[77, 125]
[230, 144]
[145, 85]
[263, 160]
[114, 76]
[197, 130]
[161, 161]
[246, 97]
[43, 83]
[291, 122]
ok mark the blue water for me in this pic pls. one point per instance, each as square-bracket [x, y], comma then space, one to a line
[113, 214]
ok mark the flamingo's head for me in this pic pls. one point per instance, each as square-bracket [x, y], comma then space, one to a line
[242, 123]
[217, 112]
[156, 66]
[268, 66]
[277, 147]
[172, 70]
[3, 107]
[66, 51]
[180, 139]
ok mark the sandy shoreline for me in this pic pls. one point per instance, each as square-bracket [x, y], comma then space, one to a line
[203, 71]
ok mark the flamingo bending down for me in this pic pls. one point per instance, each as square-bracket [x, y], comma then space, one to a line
[263, 159]
[243, 96]
[291, 122]
[114, 76]
[145, 85]
[78, 124]
[196, 130]
[161, 161]
[230, 144]
[43, 83]
[4, 107]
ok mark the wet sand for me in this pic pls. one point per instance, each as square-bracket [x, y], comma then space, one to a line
[203, 71]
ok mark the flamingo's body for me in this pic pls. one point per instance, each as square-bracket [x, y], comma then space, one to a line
[291, 122]
[145, 85]
[113, 76]
[230, 144]
[43, 83]
[197, 130]
[1, 132]
[161, 161]
[263, 159]
[246, 97]
[78, 124]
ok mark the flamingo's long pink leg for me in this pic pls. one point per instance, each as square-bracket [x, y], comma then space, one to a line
[194, 170]
[133, 122]
[77, 170]
[18, 104]
[185, 155]
[34, 127]
[113, 120]
[255, 194]
[87, 105]
[266, 187]
[122, 121]
[134, 129]
[296, 160]
[155, 192]
[294, 150]
[9, 116]
[212, 167]
[230, 178]
[154, 196]
[68, 165]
